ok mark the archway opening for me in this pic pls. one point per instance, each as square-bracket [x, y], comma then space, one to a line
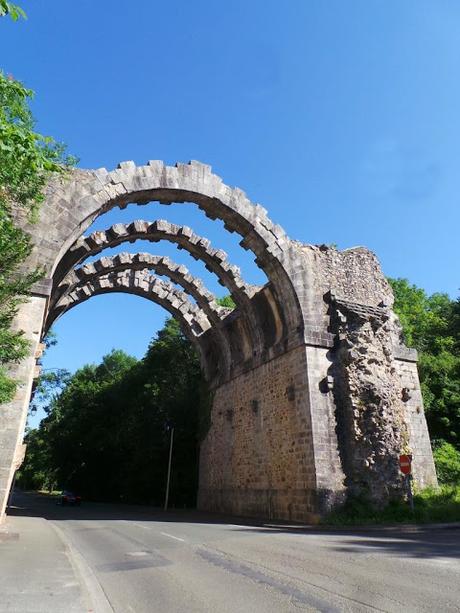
[108, 431]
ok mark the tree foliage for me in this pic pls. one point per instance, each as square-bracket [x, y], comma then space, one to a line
[12, 10]
[431, 324]
[105, 434]
[447, 460]
[226, 301]
[27, 159]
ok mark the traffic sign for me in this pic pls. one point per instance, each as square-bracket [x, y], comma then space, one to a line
[405, 464]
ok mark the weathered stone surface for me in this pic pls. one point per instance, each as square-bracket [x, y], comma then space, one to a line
[313, 394]
[419, 439]
[368, 393]
[13, 415]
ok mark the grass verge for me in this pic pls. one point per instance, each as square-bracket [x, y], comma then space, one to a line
[431, 505]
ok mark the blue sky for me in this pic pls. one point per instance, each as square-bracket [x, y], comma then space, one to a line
[341, 118]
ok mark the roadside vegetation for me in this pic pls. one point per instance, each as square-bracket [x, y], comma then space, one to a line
[431, 505]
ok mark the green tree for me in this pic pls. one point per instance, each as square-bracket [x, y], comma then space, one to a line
[105, 433]
[80, 428]
[447, 460]
[27, 160]
[431, 324]
[37, 472]
[426, 320]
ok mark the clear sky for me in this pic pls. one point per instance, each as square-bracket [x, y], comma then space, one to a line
[341, 118]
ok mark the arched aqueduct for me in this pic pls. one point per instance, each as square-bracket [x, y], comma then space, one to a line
[313, 393]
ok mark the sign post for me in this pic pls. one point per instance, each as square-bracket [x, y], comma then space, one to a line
[405, 466]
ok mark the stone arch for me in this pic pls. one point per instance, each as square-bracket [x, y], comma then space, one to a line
[192, 319]
[250, 337]
[272, 447]
[161, 265]
[200, 248]
[80, 199]
[141, 283]
[215, 260]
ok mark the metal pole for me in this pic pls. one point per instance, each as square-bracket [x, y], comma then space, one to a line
[169, 469]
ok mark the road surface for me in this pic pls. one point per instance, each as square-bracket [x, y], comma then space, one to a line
[133, 559]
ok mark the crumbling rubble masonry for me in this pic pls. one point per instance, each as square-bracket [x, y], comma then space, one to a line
[313, 395]
[371, 422]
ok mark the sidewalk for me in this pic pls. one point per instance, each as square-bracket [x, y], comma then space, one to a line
[36, 573]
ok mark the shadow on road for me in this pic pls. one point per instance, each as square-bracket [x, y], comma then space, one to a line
[407, 541]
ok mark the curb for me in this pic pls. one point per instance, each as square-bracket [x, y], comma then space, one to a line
[92, 590]
[365, 527]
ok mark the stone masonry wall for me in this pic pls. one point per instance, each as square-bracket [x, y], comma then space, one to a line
[258, 457]
[13, 415]
[353, 274]
[328, 466]
[424, 471]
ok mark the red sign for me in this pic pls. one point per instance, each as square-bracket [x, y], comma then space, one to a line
[405, 464]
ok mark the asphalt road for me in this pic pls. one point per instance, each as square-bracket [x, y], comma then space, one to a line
[132, 559]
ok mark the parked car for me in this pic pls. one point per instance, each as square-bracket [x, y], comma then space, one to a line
[70, 498]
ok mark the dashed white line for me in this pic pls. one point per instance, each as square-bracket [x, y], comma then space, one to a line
[171, 536]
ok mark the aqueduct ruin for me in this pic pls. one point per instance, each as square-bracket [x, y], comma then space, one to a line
[313, 393]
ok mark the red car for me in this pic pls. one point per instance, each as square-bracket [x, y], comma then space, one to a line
[70, 498]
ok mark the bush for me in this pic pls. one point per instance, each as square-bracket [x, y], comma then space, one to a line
[447, 461]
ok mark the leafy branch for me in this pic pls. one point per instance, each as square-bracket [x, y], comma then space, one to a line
[12, 10]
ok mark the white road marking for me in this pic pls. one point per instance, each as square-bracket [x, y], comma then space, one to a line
[171, 536]
[137, 553]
